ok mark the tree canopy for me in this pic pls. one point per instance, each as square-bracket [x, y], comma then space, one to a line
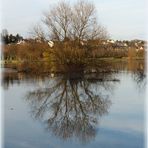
[70, 22]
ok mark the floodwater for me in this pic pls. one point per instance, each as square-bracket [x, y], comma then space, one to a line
[105, 110]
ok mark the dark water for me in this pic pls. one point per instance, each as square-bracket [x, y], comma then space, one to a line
[105, 110]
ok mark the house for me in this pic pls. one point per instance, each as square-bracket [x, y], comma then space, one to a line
[110, 41]
[51, 44]
[21, 42]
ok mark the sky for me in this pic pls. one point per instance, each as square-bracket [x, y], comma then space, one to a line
[124, 19]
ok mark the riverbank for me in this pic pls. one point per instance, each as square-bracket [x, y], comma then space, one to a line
[5, 62]
[93, 65]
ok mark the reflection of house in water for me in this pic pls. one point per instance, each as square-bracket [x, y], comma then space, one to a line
[20, 76]
[39, 81]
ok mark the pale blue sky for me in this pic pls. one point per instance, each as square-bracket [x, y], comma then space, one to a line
[124, 19]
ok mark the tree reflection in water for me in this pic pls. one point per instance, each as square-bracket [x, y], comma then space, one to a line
[72, 104]
[138, 71]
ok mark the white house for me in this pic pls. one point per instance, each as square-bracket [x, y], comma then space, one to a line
[21, 42]
[51, 44]
[110, 41]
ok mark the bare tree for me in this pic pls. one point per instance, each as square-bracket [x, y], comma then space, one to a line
[38, 32]
[58, 20]
[83, 14]
[74, 22]
[97, 31]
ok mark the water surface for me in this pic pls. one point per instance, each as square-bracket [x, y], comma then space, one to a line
[74, 110]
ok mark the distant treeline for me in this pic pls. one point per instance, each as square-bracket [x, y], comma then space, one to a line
[7, 38]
